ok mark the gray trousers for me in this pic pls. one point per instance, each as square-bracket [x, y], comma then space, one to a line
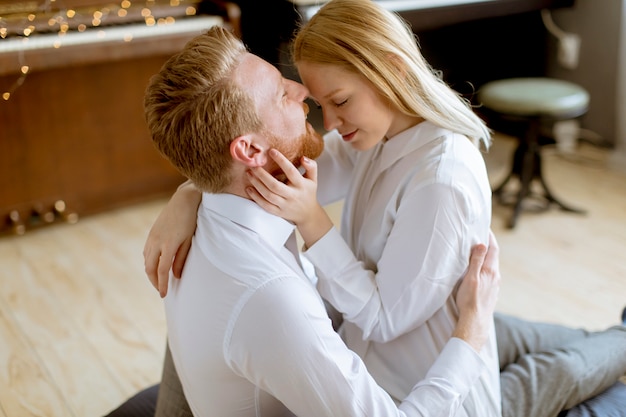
[545, 369]
[171, 401]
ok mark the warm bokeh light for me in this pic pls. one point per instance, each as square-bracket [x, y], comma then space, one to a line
[64, 18]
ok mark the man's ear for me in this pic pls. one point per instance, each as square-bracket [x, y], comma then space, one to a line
[246, 150]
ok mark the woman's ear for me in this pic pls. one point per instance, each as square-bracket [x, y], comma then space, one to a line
[247, 151]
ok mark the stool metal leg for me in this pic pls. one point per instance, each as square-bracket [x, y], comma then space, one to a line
[550, 197]
[526, 166]
[528, 163]
[526, 176]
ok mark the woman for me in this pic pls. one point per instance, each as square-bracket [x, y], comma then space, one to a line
[402, 151]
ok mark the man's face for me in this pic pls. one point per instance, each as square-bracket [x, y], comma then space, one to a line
[280, 105]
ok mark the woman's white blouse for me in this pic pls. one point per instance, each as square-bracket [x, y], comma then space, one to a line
[414, 207]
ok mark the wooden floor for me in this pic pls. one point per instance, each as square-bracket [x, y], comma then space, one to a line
[81, 328]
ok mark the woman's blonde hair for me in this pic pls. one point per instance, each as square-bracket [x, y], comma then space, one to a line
[364, 38]
[194, 109]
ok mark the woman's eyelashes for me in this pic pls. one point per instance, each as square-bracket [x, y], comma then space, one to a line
[336, 104]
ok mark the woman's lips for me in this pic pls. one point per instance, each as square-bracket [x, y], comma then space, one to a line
[348, 136]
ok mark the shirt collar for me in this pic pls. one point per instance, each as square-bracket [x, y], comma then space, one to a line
[408, 141]
[273, 229]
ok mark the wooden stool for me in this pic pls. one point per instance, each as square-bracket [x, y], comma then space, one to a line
[531, 102]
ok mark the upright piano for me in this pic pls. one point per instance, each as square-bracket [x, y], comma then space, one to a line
[73, 139]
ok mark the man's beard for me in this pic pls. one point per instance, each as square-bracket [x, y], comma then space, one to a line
[309, 144]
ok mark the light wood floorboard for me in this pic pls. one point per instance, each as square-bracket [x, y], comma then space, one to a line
[81, 329]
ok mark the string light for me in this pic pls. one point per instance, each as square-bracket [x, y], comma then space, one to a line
[24, 72]
[65, 20]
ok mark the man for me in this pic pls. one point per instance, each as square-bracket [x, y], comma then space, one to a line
[248, 332]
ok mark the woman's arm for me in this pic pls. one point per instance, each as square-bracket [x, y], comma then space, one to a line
[169, 239]
[400, 279]
[406, 266]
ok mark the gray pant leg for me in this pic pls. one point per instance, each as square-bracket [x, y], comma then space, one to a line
[610, 403]
[171, 401]
[548, 368]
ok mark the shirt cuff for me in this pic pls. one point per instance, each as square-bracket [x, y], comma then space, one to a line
[330, 253]
[459, 365]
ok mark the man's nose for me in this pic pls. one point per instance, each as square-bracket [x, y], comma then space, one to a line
[299, 92]
[331, 121]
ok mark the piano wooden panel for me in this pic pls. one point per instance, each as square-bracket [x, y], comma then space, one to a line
[75, 131]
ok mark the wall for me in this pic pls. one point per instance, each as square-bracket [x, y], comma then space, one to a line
[619, 158]
[602, 66]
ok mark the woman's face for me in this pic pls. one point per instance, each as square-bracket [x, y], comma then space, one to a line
[350, 104]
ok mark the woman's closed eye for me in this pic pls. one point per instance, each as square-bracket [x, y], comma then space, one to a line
[336, 104]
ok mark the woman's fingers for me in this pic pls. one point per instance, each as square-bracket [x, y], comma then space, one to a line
[291, 172]
[266, 190]
[310, 167]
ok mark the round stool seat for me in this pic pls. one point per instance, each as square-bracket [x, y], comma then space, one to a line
[534, 97]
